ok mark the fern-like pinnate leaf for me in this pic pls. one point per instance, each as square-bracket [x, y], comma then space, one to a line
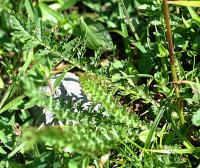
[91, 86]
[79, 138]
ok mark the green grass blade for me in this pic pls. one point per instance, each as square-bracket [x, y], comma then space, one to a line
[185, 3]
[29, 9]
[11, 103]
[6, 95]
[27, 62]
[16, 150]
[124, 30]
[194, 16]
[129, 21]
[59, 80]
[1, 83]
[153, 128]
[176, 151]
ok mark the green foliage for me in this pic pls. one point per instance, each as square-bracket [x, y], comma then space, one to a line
[96, 36]
[118, 49]
[98, 94]
[196, 118]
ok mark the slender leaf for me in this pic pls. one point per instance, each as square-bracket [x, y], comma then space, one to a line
[29, 9]
[153, 128]
[11, 103]
[49, 13]
[185, 3]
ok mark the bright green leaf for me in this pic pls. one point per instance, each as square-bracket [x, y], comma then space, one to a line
[194, 16]
[11, 103]
[3, 137]
[144, 135]
[185, 3]
[59, 80]
[196, 118]
[140, 47]
[68, 4]
[96, 35]
[1, 83]
[163, 52]
[49, 13]
[29, 9]
[2, 151]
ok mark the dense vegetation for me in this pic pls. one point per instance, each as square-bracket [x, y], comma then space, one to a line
[141, 66]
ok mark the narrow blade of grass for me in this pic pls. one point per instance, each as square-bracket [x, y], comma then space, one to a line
[153, 128]
[185, 3]
[11, 103]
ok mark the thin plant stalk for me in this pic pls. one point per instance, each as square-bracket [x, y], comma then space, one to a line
[124, 30]
[173, 61]
[129, 21]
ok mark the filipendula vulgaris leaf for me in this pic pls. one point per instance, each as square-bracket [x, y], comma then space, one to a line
[78, 132]
[80, 138]
[91, 86]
